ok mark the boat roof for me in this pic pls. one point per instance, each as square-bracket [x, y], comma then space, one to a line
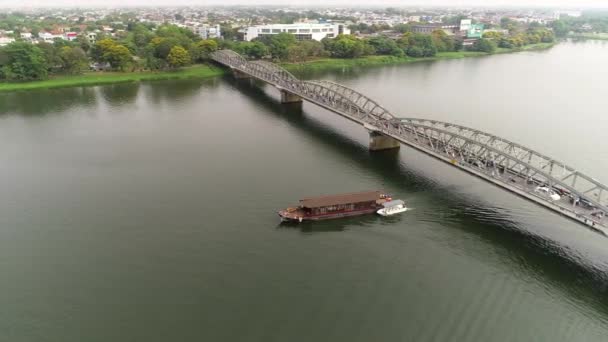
[354, 197]
[393, 203]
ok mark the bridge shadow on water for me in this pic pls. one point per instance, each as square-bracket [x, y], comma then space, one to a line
[534, 255]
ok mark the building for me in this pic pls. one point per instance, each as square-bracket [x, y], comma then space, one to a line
[49, 37]
[465, 24]
[6, 40]
[92, 37]
[475, 31]
[429, 28]
[70, 36]
[209, 32]
[302, 31]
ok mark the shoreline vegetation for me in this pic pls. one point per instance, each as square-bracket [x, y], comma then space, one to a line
[206, 71]
[592, 36]
[378, 60]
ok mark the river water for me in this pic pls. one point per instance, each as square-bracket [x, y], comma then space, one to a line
[147, 212]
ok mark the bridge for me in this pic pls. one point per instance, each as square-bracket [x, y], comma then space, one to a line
[506, 164]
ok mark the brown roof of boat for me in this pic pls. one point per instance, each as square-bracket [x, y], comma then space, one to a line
[355, 197]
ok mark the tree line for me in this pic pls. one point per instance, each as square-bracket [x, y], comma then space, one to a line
[145, 47]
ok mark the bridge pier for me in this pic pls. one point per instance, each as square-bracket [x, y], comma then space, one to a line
[379, 142]
[287, 97]
[239, 75]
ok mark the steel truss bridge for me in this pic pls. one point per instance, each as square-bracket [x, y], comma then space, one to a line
[511, 166]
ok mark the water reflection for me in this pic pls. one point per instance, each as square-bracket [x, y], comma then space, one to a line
[535, 256]
[40, 102]
[120, 94]
[175, 90]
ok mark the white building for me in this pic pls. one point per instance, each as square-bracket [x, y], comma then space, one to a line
[465, 24]
[209, 32]
[26, 35]
[49, 37]
[6, 40]
[302, 31]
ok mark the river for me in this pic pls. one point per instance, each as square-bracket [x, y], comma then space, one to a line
[147, 212]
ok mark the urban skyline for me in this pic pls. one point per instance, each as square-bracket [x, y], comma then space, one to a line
[308, 3]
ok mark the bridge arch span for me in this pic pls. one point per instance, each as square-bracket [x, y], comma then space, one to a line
[511, 166]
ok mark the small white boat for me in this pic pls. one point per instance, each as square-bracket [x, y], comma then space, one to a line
[392, 208]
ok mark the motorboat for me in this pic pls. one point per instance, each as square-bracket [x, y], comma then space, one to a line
[392, 207]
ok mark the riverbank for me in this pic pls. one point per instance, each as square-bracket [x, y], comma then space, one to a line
[99, 78]
[593, 36]
[205, 71]
[339, 63]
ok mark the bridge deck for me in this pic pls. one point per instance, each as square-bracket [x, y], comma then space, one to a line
[593, 217]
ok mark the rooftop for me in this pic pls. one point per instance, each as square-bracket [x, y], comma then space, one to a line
[354, 197]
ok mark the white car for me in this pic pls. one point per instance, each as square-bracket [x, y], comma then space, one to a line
[544, 190]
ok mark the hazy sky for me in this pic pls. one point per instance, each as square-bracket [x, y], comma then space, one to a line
[521, 3]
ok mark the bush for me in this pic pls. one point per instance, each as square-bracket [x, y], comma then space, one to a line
[415, 51]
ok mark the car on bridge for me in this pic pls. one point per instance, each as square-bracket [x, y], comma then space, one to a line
[548, 192]
[583, 203]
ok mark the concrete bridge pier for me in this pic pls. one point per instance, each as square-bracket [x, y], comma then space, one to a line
[239, 74]
[287, 97]
[379, 142]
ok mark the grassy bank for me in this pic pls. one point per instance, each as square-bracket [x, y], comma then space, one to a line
[596, 36]
[97, 78]
[339, 63]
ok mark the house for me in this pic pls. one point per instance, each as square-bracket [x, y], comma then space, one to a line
[100, 66]
[209, 32]
[429, 28]
[25, 35]
[48, 37]
[92, 37]
[6, 40]
[70, 36]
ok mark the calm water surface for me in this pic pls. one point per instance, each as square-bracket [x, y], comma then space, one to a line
[146, 212]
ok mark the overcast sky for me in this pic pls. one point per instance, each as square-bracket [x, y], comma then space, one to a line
[520, 3]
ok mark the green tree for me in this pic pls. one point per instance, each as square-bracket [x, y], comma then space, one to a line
[84, 43]
[228, 32]
[383, 45]
[202, 49]
[402, 28]
[560, 28]
[296, 53]
[51, 55]
[485, 45]
[254, 50]
[279, 43]
[162, 46]
[117, 55]
[23, 62]
[313, 48]
[418, 45]
[442, 41]
[493, 35]
[347, 46]
[73, 59]
[101, 47]
[415, 51]
[178, 57]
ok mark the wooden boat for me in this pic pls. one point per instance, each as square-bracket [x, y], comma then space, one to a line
[335, 206]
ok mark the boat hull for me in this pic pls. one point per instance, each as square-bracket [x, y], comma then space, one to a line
[384, 212]
[292, 218]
